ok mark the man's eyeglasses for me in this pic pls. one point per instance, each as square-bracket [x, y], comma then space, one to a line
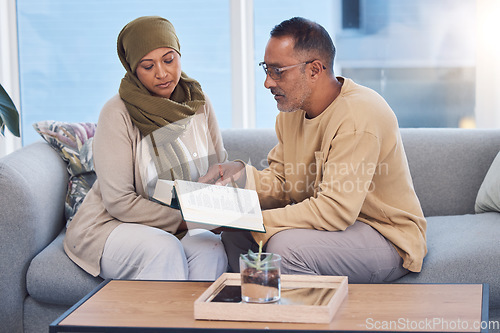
[276, 72]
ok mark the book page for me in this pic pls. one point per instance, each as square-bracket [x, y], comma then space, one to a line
[164, 191]
[219, 205]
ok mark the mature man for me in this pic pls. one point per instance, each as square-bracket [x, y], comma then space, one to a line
[338, 197]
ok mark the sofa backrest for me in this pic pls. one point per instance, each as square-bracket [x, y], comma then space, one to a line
[250, 145]
[447, 165]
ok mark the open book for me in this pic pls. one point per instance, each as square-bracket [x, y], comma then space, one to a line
[212, 204]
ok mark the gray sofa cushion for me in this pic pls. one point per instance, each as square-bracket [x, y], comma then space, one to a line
[448, 166]
[53, 278]
[461, 251]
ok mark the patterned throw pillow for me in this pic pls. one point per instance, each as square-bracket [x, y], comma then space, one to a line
[73, 142]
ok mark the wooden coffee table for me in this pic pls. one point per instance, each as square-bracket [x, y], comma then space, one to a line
[167, 306]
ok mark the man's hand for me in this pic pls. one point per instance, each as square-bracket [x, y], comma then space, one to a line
[219, 230]
[225, 173]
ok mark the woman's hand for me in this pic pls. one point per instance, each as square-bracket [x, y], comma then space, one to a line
[225, 173]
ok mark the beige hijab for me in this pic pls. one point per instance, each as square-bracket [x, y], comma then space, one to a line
[159, 119]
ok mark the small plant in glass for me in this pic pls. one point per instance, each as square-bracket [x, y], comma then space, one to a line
[260, 276]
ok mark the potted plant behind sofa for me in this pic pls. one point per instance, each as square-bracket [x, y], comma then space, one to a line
[8, 114]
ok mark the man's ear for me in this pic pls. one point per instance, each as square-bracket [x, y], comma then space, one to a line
[317, 69]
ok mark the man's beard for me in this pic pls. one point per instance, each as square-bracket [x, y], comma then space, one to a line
[291, 107]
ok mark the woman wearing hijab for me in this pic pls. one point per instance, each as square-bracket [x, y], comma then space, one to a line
[160, 126]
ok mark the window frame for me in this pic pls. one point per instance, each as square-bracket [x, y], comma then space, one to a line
[9, 76]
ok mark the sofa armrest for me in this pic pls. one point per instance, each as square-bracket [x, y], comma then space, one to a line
[33, 184]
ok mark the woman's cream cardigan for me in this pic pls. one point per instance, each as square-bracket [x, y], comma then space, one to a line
[119, 193]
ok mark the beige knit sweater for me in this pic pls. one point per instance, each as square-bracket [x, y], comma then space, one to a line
[119, 193]
[347, 164]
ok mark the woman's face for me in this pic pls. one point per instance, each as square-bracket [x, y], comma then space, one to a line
[159, 71]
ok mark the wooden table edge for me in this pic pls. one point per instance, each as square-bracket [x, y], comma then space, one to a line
[53, 326]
